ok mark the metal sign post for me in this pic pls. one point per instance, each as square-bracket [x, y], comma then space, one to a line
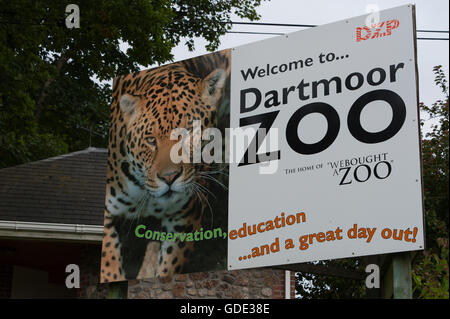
[396, 280]
[401, 271]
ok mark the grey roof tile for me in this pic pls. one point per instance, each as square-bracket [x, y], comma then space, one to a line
[66, 189]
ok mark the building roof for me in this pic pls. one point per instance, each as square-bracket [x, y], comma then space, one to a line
[67, 189]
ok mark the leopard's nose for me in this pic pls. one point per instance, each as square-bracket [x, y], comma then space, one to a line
[170, 177]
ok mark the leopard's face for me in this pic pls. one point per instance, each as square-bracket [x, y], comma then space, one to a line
[150, 121]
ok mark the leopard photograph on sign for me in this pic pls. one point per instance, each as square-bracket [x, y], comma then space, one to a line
[163, 217]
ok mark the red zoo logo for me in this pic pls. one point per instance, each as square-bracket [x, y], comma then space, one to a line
[379, 30]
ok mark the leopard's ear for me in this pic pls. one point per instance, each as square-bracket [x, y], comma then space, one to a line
[129, 105]
[213, 85]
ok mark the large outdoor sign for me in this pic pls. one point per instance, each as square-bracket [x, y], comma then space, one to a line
[297, 148]
[344, 178]
[165, 213]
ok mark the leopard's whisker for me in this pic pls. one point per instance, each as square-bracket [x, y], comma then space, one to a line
[203, 198]
[211, 178]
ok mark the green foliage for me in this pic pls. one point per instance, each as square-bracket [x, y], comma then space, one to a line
[430, 276]
[430, 269]
[50, 99]
[435, 165]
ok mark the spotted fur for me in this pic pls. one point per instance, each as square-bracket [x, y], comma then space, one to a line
[143, 185]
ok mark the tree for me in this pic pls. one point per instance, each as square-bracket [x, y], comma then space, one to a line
[51, 101]
[430, 269]
[435, 165]
[311, 286]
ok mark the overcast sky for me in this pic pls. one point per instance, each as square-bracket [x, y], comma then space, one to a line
[430, 15]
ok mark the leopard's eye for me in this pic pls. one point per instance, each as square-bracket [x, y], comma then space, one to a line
[151, 140]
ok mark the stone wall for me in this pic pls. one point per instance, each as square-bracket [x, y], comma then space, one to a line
[254, 283]
[238, 284]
